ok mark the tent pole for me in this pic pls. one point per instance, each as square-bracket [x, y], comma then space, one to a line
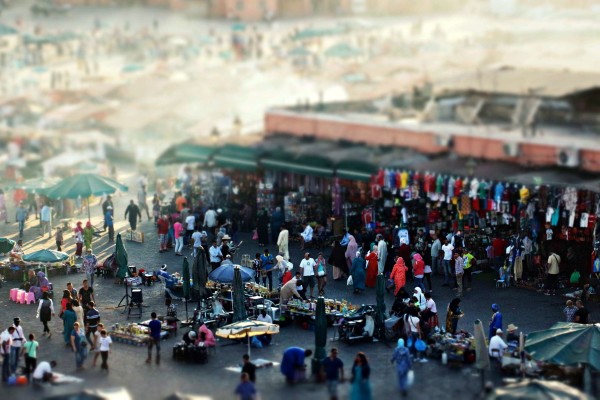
[248, 337]
[88, 209]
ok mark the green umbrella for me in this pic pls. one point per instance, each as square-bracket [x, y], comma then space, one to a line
[35, 185]
[46, 256]
[6, 245]
[239, 306]
[536, 390]
[380, 310]
[566, 344]
[84, 186]
[186, 283]
[320, 335]
[121, 257]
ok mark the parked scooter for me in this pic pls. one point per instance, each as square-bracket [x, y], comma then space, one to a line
[358, 326]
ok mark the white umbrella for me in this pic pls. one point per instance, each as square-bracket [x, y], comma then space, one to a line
[247, 329]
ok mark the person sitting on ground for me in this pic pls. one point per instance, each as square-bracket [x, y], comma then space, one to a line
[264, 317]
[43, 372]
[189, 338]
[511, 333]
[205, 337]
[497, 345]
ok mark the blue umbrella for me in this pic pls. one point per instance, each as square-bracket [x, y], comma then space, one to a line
[224, 274]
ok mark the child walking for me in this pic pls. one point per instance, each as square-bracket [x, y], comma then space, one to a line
[105, 342]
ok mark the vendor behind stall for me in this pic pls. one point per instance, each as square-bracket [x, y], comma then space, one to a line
[289, 290]
[17, 250]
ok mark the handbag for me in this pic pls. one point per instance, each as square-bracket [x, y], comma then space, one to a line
[350, 282]
[420, 345]
[410, 378]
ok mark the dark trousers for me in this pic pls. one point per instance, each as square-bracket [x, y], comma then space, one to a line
[30, 364]
[58, 246]
[104, 355]
[428, 278]
[5, 367]
[46, 329]
[133, 224]
[467, 278]
[90, 332]
[269, 277]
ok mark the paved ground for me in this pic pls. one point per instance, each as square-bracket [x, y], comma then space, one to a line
[529, 310]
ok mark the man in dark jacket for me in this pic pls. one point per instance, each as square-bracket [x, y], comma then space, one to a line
[134, 214]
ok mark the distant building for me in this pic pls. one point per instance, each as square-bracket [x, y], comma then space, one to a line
[530, 117]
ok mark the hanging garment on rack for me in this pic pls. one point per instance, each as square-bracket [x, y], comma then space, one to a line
[450, 187]
[458, 186]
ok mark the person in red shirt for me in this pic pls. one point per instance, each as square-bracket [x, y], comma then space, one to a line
[163, 233]
[499, 246]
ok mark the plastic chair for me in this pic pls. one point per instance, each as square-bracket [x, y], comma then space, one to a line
[13, 294]
[21, 296]
[29, 298]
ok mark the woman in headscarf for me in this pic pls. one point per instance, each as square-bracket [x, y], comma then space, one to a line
[338, 260]
[420, 298]
[399, 274]
[403, 362]
[280, 267]
[358, 273]
[351, 250]
[78, 235]
[69, 318]
[88, 235]
[454, 313]
[321, 273]
[262, 228]
[495, 321]
[372, 263]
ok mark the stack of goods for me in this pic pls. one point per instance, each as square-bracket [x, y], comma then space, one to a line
[133, 334]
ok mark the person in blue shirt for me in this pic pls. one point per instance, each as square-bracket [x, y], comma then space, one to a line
[245, 390]
[266, 266]
[108, 222]
[155, 328]
[292, 364]
[495, 321]
[334, 373]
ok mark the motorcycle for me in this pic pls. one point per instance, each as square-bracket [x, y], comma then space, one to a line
[358, 325]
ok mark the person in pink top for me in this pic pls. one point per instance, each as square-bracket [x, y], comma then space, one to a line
[178, 232]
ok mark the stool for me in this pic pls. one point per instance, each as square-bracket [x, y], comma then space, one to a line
[500, 283]
[21, 296]
[29, 298]
[13, 294]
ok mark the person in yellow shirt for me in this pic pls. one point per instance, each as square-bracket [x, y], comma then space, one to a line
[468, 262]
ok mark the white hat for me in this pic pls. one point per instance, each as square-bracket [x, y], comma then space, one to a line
[498, 331]
[192, 335]
[164, 267]
[226, 237]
